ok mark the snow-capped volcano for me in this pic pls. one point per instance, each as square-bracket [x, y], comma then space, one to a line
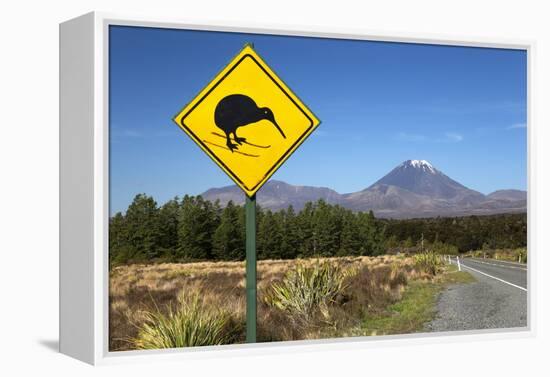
[419, 164]
[420, 177]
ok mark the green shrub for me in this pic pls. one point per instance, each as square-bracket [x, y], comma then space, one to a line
[429, 262]
[306, 289]
[441, 248]
[521, 255]
[191, 323]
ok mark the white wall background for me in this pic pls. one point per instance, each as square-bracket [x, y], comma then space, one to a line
[29, 185]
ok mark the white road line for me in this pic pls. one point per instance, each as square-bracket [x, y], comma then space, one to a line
[502, 261]
[498, 265]
[491, 276]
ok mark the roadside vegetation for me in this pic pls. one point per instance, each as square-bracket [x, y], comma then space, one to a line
[429, 262]
[513, 255]
[463, 234]
[417, 306]
[189, 323]
[176, 305]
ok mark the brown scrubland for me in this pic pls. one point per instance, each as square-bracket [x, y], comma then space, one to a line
[297, 299]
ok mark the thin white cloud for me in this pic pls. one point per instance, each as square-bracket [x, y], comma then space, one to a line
[449, 137]
[454, 137]
[516, 126]
[128, 133]
[411, 137]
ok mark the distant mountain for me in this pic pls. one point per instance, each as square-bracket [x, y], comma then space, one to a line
[413, 189]
[276, 195]
[420, 177]
[508, 195]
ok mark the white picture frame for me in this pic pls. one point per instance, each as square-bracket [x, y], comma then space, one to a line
[84, 190]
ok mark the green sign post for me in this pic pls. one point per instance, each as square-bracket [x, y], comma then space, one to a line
[251, 304]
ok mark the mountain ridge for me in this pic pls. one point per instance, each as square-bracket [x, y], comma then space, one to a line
[414, 188]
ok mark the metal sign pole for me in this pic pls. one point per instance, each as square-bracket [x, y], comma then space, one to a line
[251, 269]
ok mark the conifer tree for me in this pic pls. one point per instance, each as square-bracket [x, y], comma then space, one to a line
[228, 239]
[168, 223]
[196, 227]
[270, 236]
[325, 230]
[350, 240]
[290, 235]
[118, 239]
[142, 228]
[304, 223]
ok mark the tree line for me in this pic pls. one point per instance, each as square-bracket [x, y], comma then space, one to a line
[504, 231]
[191, 228]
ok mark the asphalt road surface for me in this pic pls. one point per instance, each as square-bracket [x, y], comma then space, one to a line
[498, 298]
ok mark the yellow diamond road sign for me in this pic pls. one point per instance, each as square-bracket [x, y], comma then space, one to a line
[247, 120]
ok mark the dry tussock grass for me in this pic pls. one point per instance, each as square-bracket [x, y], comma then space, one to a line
[136, 288]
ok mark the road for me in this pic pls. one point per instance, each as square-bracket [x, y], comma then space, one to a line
[498, 298]
[510, 272]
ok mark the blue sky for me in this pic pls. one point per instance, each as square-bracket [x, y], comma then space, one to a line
[461, 108]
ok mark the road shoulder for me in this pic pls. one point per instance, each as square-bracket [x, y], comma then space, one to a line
[483, 304]
[416, 307]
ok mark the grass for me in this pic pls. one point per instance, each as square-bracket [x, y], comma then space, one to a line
[512, 255]
[190, 323]
[429, 262]
[453, 276]
[175, 305]
[306, 289]
[416, 308]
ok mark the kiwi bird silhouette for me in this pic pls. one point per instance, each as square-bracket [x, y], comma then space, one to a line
[238, 110]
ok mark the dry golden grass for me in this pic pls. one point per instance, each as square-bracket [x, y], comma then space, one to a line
[136, 288]
[512, 255]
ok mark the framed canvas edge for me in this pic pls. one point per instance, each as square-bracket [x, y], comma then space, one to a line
[103, 20]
